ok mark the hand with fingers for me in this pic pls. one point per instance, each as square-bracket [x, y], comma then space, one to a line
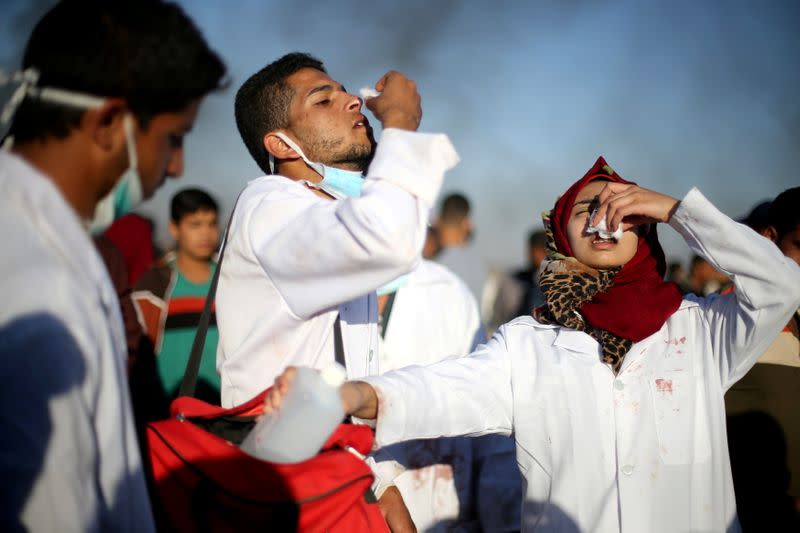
[358, 398]
[398, 104]
[628, 205]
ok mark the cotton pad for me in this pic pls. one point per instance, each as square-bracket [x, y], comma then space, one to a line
[368, 92]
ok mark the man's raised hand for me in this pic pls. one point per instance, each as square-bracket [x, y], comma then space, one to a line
[398, 105]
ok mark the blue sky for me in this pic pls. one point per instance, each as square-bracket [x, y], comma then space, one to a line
[673, 93]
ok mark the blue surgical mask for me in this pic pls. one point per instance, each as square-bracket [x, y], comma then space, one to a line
[394, 285]
[127, 193]
[337, 182]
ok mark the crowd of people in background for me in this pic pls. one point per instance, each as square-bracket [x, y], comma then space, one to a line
[338, 244]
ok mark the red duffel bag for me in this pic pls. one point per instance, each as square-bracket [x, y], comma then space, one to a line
[204, 482]
[201, 481]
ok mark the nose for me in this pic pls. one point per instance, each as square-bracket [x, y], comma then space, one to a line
[355, 103]
[175, 165]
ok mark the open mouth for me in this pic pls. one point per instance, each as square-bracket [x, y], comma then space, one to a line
[361, 122]
[600, 242]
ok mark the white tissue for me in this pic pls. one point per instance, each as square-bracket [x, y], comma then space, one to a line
[368, 92]
[602, 229]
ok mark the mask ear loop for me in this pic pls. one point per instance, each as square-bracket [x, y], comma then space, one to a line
[27, 82]
[28, 79]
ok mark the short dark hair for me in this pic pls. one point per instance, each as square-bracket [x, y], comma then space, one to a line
[784, 212]
[147, 52]
[455, 208]
[263, 101]
[189, 201]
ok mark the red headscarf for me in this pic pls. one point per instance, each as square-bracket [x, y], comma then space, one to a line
[640, 301]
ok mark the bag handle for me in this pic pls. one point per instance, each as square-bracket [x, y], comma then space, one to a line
[189, 383]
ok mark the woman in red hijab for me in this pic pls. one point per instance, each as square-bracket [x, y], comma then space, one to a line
[613, 390]
[612, 289]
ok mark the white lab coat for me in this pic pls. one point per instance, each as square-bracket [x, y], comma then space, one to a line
[642, 451]
[69, 460]
[295, 260]
[460, 482]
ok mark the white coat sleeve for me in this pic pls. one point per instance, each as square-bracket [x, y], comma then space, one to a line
[466, 396]
[767, 285]
[332, 252]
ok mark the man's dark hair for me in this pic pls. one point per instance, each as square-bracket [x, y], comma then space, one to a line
[784, 212]
[262, 102]
[537, 238]
[190, 201]
[758, 217]
[455, 208]
[147, 52]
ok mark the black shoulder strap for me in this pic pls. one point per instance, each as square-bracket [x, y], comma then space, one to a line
[338, 345]
[189, 383]
[383, 321]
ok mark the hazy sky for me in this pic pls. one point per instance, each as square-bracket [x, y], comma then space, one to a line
[673, 93]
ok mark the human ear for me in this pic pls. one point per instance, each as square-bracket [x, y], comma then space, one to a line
[771, 233]
[278, 147]
[104, 125]
[173, 230]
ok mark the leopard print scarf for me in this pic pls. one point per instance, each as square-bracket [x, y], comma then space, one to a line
[568, 284]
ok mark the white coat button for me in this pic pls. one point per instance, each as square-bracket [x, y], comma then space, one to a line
[619, 385]
[627, 469]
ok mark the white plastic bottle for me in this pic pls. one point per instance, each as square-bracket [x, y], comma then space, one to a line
[309, 413]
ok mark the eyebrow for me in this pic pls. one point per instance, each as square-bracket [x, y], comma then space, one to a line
[321, 88]
[588, 202]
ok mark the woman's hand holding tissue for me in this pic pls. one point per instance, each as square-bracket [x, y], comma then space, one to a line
[626, 205]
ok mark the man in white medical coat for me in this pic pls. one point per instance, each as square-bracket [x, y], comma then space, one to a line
[311, 241]
[459, 483]
[91, 117]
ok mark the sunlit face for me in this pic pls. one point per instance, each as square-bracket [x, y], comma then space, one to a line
[196, 234]
[327, 121]
[590, 249]
[790, 244]
[159, 146]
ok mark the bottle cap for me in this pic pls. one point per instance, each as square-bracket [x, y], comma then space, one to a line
[333, 374]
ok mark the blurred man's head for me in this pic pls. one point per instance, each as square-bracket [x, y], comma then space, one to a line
[704, 279]
[194, 224]
[454, 225]
[537, 247]
[142, 59]
[784, 223]
[294, 96]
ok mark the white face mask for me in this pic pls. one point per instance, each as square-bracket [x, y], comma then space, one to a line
[127, 193]
[337, 182]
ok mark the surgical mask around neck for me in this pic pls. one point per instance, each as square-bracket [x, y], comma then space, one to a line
[337, 182]
[18, 86]
[394, 285]
[127, 194]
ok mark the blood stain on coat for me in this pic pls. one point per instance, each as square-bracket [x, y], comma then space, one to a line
[664, 386]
